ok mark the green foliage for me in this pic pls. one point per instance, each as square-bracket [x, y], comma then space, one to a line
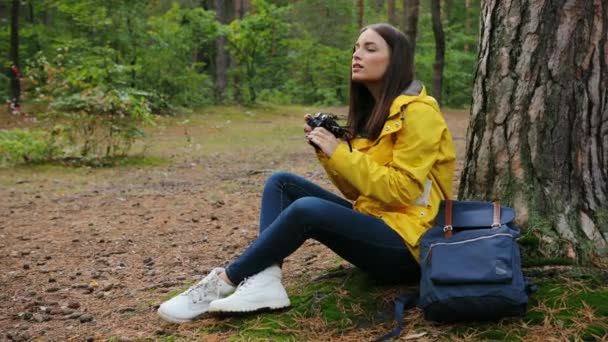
[4, 88]
[89, 102]
[257, 43]
[174, 62]
[22, 146]
[282, 51]
[319, 74]
[460, 64]
[331, 23]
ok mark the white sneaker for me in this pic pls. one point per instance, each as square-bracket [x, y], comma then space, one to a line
[260, 291]
[195, 301]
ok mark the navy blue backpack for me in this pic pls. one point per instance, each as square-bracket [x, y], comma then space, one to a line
[470, 267]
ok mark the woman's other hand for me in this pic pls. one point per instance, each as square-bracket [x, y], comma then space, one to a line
[307, 128]
[324, 139]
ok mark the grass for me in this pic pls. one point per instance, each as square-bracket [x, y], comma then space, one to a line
[319, 308]
[351, 307]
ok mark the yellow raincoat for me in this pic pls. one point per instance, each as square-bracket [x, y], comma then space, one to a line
[402, 176]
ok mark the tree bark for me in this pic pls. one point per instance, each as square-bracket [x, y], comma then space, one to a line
[439, 50]
[14, 54]
[410, 22]
[538, 134]
[392, 18]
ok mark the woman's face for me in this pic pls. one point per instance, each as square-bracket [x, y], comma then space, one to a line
[371, 56]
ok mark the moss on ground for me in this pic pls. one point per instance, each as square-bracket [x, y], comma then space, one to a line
[562, 308]
[318, 307]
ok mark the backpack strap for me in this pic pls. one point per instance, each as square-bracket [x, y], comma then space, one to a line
[447, 229]
[496, 219]
[404, 302]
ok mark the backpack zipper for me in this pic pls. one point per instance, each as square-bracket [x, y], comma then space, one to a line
[428, 254]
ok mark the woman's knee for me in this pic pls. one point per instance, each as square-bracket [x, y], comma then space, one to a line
[278, 178]
[306, 207]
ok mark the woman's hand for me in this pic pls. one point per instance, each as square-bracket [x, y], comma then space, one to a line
[322, 138]
[307, 128]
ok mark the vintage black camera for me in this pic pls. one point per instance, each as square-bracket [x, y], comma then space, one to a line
[327, 121]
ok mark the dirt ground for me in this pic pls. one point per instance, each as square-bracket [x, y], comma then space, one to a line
[89, 254]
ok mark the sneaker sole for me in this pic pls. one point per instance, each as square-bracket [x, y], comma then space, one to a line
[277, 306]
[172, 319]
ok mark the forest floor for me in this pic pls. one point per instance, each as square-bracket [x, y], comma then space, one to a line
[88, 254]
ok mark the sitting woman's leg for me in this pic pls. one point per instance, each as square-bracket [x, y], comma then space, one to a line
[363, 240]
[282, 189]
[352, 235]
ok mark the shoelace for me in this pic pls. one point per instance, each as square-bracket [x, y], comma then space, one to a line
[244, 283]
[199, 292]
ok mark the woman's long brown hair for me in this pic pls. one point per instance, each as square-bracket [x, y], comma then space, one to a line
[366, 117]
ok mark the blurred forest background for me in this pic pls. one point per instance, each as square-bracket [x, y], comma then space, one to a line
[190, 53]
[97, 71]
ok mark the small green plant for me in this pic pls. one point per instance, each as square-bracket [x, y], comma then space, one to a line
[23, 146]
[4, 88]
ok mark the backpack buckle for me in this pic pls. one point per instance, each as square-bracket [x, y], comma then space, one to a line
[447, 231]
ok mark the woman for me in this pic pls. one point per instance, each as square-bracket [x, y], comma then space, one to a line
[398, 171]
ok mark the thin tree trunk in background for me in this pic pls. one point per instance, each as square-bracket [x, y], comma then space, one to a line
[30, 7]
[239, 13]
[439, 50]
[538, 133]
[240, 7]
[410, 22]
[378, 5]
[207, 4]
[467, 22]
[46, 16]
[361, 6]
[14, 54]
[392, 18]
[221, 58]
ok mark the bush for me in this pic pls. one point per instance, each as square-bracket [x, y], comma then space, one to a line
[89, 102]
[101, 122]
[4, 88]
[22, 146]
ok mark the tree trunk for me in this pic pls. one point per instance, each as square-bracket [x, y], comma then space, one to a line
[361, 7]
[392, 18]
[30, 7]
[14, 54]
[410, 22]
[439, 50]
[240, 7]
[467, 22]
[538, 134]
[221, 58]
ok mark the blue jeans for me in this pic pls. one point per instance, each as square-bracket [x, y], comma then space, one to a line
[294, 210]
